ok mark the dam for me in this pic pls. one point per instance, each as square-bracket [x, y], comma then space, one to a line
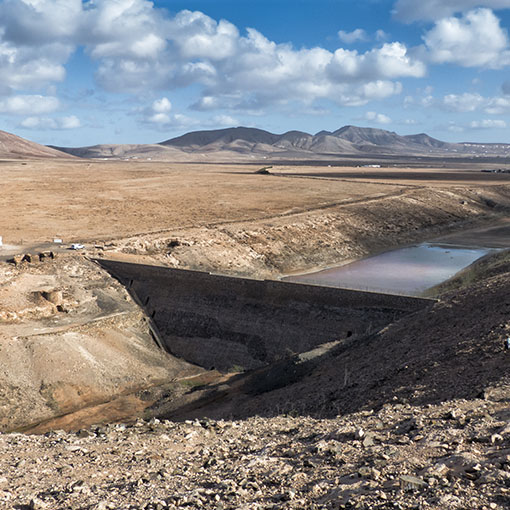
[230, 323]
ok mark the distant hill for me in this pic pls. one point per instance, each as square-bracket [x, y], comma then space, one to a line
[348, 140]
[251, 144]
[15, 147]
[222, 136]
[124, 151]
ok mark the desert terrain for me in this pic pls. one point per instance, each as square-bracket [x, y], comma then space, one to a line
[231, 219]
[410, 415]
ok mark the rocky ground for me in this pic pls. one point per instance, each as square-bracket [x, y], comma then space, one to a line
[415, 416]
[455, 455]
[422, 422]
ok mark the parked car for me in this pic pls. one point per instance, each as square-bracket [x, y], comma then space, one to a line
[77, 246]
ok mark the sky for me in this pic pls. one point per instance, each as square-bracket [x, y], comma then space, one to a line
[83, 72]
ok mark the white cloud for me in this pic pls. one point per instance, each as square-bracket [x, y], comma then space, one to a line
[142, 49]
[350, 37]
[123, 29]
[466, 102]
[497, 105]
[36, 39]
[160, 118]
[378, 118]
[390, 61]
[162, 105]
[70, 122]
[381, 35]
[251, 68]
[59, 123]
[224, 120]
[33, 104]
[158, 112]
[414, 10]
[207, 103]
[474, 40]
[199, 36]
[488, 124]
[454, 128]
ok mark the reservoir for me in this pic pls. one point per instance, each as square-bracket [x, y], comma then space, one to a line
[409, 270]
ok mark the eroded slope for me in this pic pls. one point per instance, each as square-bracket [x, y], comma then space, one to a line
[70, 336]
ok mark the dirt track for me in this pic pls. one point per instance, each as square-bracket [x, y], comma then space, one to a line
[110, 200]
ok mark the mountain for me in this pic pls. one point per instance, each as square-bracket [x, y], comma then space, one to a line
[223, 137]
[361, 136]
[125, 151]
[348, 140]
[15, 147]
[428, 141]
[251, 144]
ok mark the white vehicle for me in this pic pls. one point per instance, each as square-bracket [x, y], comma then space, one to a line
[77, 246]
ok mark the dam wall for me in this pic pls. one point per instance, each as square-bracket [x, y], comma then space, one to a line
[226, 322]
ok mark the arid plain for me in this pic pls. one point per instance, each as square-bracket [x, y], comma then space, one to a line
[137, 206]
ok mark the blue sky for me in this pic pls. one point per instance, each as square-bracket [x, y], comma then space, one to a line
[77, 73]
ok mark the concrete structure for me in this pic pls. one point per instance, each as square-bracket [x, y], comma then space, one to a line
[226, 322]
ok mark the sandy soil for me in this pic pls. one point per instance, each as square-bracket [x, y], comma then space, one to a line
[83, 200]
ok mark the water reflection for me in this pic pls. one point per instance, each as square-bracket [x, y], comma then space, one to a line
[405, 271]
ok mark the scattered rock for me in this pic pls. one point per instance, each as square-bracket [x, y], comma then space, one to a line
[408, 482]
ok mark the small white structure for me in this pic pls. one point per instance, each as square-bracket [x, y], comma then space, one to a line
[1, 242]
[57, 240]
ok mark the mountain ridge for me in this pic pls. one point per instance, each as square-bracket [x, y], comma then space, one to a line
[15, 147]
[346, 140]
[253, 144]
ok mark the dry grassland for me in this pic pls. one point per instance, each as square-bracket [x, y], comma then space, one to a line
[111, 200]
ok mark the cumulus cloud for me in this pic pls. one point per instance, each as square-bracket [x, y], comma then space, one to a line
[454, 128]
[59, 123]
[159, 112]
[249, 67]
[391, 61]
[497, 105]
[378, 118]
[139, 48]
[36, 39]
[224, 120]
[381, 35]
[468, 102]
[350, 37]
[414, 10]
[488, 124]
[162, 105]
[463, 102]
[32, 104]
[474, 40]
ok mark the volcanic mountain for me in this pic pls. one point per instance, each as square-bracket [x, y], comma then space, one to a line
[346, 140]
[243, 143]
[15, 147]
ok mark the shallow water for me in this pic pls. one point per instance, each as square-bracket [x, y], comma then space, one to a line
[409, 270]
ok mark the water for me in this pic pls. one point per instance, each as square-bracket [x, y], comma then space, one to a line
[409, 270]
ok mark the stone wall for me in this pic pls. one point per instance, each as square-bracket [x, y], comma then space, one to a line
[227, 322]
